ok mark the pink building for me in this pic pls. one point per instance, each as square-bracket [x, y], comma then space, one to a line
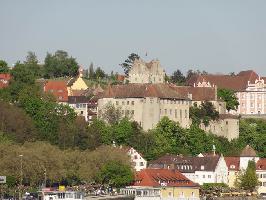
[250, 89]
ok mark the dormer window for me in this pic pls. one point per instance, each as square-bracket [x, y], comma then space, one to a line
[202, 167]
[232, 166]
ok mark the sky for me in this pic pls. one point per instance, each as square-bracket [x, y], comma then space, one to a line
[216, 36]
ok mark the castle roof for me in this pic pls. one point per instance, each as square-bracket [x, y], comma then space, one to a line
[138, 90]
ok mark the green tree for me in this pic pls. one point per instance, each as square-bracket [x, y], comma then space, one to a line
[178, 78]
[60, 65]
[99, 73]
[3, 67]
[116, 174]
[229, 97]
[32, 63]
[249, 180]
[91, 72]
[127, 64]
[111, 114]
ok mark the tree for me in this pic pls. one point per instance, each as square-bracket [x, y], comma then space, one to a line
[115, 173]
[229, 97]
[111, 114]
[178, 78]
[60, 65]
[249, 180]
[91, 72]
[99, 73]
[127, 64]
[3, 67]
[32, 63]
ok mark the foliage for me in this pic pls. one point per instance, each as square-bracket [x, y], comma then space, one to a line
[212, 186]
[203, 114]
[32, 63]
[229, 97]
[115, 173]
[111, 114]
[249, 179]
[127, 64]
[60, 65]
[3, 67]
[178, 78]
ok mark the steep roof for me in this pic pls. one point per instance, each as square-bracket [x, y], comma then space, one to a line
[159, 177]
[58, 89]
[248, 151]
[198, 93]
[234, 82]
[138, 90]
[261, 164]
[232, 163]
[183, 163]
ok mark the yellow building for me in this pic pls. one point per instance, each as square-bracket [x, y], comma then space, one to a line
[76, 84]
[155, 184]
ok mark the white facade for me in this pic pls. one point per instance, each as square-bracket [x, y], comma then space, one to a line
[81, 109]
[142, 72]
[244, 161]
[137, 160]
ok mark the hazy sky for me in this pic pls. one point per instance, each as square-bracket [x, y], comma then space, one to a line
[216, 36]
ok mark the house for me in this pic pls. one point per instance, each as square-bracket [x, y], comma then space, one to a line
[137, 160]
[250, 89]
[147, 103]
[80, 105]
[76, 84]
[208, 168]
[4, 80]
[58, 89]
[233, 164]
[238, 164]
[142, 72]
[261, 172]
[162, 184]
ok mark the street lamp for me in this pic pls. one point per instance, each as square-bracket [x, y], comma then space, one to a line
[20, 194]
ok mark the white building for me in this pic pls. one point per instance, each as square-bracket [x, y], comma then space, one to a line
[147, 104]
[261, 172]
[142, 72]
[247, 154]
[137, 161]
[207, 168]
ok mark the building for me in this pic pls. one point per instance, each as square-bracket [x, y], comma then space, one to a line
[80, 105]
[137, 160]
[239, 164]
[58, 89]
[208, 168]
[162, 184]
[142, 72]
[261, 172]
[4, 80]
[233, 164]
[250, 89]
[77, 84]
[147, 103]
[228, 125]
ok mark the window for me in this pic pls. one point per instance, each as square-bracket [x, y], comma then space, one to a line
[132, 103]
[165, 111]
[170, 111]
[60, 90]
[203, 176]
[135, 157]
[185, 113]
[81, 112]
[251, 96]
[259, 105]
[180, 114]
[209, 176]
[123, 103]
[151, 100]
[132, 112]
[252, 105]
[175, 113]
[60, 97]
[259, 96]
[202, 167]
[117, 103]
[232, 166]
[243, 105]
[141, 164]
[127, 102]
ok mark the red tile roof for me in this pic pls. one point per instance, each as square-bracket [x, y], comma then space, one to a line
[4, 80]
[261, 164]
[159, 177]
[234, 82]
[248, 151]
[232, 163]
[138, 90]
[58, 89]
[198, 93]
